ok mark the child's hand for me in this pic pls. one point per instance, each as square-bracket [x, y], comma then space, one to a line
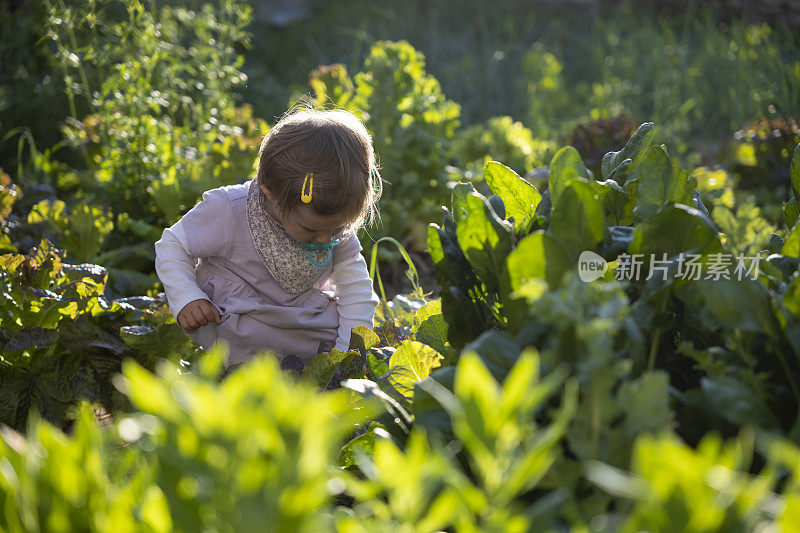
[198, 313]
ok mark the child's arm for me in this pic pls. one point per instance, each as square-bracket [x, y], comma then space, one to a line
[355, 297]
[175, 267]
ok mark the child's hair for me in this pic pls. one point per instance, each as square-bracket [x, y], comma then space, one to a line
[337, 148]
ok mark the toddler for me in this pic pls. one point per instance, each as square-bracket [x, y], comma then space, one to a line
[274, 263]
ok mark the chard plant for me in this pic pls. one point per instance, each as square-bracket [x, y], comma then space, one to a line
[654, 349]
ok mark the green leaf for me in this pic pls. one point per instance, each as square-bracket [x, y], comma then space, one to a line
[660, 182]
[497, 350]
[452, 267]
[463, 315]
[79, 335]
[14, 400]
[85, 375]
[26, 339]
[363, 444]
[578, 218]
[88, 227]
[458, 199]
[320, 369]
[635, 149]
[9, 194]
[388, 334]
[10, 262]
[735, 304]
[794, 170]
[378, 361]
[42, 266]
[51, 212]
[430, 327]
[519, 197]
[212, 364]
[618, 204]
[155, 510]
[646, 404]
[48, 312]
[96, 273]
[791, 212]
[428, 412]
[154, 342]
[129, 281]
[735, 401]
[410, 363]
[537, 454]
[785, 265]
[792, 297]
[6, 246]
[362, 339]
[479, 394]
[332, 83]
[617, 241]
[497, 426]
[540, 256]
[675, 228]
[485, 240]
[82, 231]
[775, 244]
[792, 245]
[370, 389]
[565, 166]
[498, 206]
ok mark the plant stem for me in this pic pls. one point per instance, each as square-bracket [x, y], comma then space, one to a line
[81, 71]
[651, 363]
[792, 384]
[374, 271]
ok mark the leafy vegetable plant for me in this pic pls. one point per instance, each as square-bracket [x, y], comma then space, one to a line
[680, 348]
[152, 124]
[62, 340]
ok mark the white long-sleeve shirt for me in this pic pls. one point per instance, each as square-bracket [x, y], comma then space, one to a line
[355, 297]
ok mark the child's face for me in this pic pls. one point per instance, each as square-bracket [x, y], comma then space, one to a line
[304, 225]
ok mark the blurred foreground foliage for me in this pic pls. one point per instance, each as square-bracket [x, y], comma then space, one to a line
[182, 462]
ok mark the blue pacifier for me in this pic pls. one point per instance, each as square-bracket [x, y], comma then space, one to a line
[314, 246]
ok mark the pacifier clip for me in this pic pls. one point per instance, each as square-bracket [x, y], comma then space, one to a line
[310, 247]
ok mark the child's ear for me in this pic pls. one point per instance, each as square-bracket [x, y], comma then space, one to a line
[268, 192]
[275, 209]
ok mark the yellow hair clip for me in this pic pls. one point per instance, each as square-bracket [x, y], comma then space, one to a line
[306, 198]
